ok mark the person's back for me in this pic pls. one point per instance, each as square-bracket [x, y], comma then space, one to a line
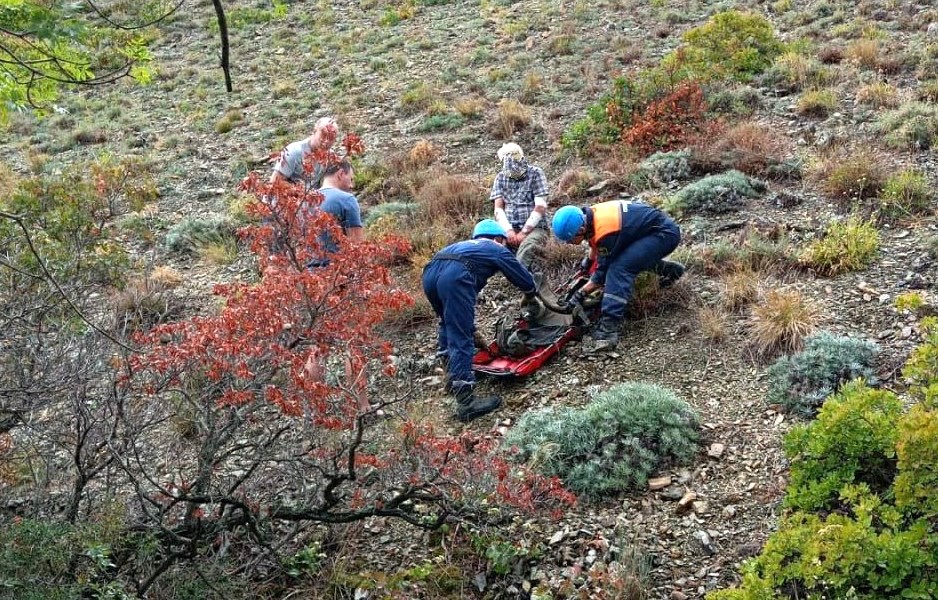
[485, 258]
[341, 204]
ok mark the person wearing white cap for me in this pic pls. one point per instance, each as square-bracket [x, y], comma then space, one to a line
[520, 197]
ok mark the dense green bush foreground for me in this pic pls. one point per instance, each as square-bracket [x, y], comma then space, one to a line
[863, 497]
[614, 443]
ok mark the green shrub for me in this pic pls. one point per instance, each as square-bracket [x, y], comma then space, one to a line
[399, 211]
[731, 45]
[606, 117]
[846, 246]
[917, 446]
[852, 441]
[804, 380]
[725, 192]
[193, 233]
[740, 100]
[862, 495]
[922, 365]
[906, 193]
[837, 555]
[438, 122]
[665, 167]
[613, 443]
[913, 125]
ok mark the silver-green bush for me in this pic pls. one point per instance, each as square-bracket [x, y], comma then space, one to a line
[187, 236]
[803, 381]
[725, 192]
[614, 443]
[403, 211]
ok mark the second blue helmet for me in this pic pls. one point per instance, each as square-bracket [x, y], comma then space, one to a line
[488, 228]
[567, 222]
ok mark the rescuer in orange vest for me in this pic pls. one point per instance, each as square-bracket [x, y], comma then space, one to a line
[626, 237]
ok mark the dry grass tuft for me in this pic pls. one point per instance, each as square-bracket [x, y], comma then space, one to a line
[423, 154]
[470, 106]
[573, 183]
[739, 289]
[448, 198]
[781, 322]
[511, 117]
[748, 147]
[713, 323]
[410, 316]
[850, 178]
[878, 95]
[830, 55]
[864, 52]
[165, 278]
[147, 301]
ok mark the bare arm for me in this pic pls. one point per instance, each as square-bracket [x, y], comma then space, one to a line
[356, 234]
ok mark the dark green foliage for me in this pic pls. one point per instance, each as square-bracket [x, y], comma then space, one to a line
[801, 382]
[851, 441]
[614, 443]
[862, 497]
[725, 192]
[192, 233]
[862, 524]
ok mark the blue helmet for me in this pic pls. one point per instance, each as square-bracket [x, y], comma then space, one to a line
[488, 228]
[567, 222]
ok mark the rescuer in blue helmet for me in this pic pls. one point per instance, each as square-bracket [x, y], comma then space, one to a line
[452, 281]
[625, 237]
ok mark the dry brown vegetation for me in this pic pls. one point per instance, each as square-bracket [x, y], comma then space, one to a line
[511, 116]
[781, 322]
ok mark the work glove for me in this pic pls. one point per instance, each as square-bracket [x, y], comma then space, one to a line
[577, 298]
[585, 264]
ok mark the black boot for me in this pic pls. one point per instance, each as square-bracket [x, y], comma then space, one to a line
[668, 272]
[469, 406]
[606, 334]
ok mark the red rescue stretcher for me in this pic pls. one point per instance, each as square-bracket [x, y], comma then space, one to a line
[523, 345]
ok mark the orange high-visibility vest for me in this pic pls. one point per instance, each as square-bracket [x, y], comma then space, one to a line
[607, 219]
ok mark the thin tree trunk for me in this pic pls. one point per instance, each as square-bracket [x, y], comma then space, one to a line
[223, 33]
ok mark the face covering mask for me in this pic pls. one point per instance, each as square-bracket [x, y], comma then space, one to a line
[516, 169]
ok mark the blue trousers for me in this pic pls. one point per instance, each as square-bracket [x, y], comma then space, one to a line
[451, 290]
[641, 255]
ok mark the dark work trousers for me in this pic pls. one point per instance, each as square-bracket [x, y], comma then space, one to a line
[451, 289]
[643, 254]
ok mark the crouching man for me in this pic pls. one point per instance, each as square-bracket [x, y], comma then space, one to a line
[625, 237]
[452, 281]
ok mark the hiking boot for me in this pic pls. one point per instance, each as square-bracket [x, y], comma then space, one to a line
[469, 406]
[606, 335]
[668, 273]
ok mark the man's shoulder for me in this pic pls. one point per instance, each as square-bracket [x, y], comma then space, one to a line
[337, 195]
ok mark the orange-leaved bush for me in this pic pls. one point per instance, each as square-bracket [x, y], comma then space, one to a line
[671, 122]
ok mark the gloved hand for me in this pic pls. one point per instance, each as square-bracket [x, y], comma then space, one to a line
[577, 298]
[585, 264]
